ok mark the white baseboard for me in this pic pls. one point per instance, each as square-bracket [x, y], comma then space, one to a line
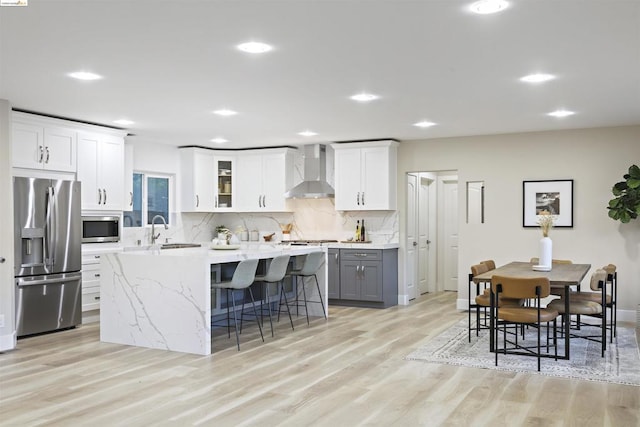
[403, 299]
[8, 342]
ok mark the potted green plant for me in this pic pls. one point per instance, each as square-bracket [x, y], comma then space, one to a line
[625, 206]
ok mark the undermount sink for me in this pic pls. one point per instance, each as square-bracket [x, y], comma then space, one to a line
[180, 245]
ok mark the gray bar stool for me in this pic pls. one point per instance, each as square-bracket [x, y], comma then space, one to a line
[275, 274]
[311, 265]
[242, 279]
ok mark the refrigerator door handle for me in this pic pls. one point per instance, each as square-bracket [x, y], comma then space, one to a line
[69, 278]
[49, 236]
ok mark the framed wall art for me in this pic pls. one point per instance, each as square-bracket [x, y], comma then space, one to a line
[554, 197]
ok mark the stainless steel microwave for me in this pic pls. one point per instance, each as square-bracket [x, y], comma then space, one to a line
[100, 229]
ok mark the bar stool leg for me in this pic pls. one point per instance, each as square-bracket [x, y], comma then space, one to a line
[320, 296]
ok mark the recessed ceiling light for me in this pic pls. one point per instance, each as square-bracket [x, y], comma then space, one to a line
[561, 113]
[485, 7]
[219, 140]
[364, 97]
[85, 75]
[225, 112]
[255, 47]
[124, 122]
[424, 124]
[307, 133]
[537, 78]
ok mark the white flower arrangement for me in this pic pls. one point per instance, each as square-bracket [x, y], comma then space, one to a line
[545, 221]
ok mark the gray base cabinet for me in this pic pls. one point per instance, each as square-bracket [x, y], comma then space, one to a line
[333, 281]
[363, 277]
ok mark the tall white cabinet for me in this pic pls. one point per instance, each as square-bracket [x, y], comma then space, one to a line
[266, 175]
[101, 171]
[366, 175]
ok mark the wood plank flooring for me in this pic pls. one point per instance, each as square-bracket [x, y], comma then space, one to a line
[347, 371]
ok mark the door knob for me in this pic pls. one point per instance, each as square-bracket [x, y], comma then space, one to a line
[2, 259]
[415, 243]
[428, 241]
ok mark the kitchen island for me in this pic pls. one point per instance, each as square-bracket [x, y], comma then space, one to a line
[162, 298]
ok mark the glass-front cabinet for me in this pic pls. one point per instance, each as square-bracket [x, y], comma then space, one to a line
[225, 185]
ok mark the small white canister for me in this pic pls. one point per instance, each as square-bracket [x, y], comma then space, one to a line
[255, 235]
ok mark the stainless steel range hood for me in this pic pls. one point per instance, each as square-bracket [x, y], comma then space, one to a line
[315, 183]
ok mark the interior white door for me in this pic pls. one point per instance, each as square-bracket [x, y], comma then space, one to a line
[412, 264]
[450, 227]
[426, 222]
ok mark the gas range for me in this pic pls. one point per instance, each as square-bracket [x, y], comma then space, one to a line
[317, 242]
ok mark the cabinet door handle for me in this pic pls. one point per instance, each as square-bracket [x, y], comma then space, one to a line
[97, 256]
[197, 201]
[362, 271]
[336, 255]
[104, 191]
[264, 201]
[41, 153]
[362, 198]
[358, 198]
[96, 298]
[96, 275]
[130, 198]
[99, 196]
[47, 150]
[216, 201]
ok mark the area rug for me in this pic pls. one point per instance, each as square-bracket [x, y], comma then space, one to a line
[621, 363]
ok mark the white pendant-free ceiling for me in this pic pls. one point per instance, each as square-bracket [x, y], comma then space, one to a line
[167, 66]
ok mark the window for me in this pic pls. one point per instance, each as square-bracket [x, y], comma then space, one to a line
[151, 197]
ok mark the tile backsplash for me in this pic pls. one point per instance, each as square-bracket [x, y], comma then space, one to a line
[311, 218]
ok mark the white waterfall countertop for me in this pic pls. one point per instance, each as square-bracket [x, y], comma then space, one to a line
[161, 298]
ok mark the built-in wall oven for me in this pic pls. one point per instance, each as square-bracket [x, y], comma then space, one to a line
[100, 229]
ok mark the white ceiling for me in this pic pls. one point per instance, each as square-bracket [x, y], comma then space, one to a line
[168, 64]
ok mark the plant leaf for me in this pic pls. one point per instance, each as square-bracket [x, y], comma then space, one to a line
[633, 182]
[634, 171]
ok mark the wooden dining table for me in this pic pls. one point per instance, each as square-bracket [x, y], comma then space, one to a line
[562, 276]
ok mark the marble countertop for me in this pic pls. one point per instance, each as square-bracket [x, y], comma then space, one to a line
[347, 245]
[245, 251]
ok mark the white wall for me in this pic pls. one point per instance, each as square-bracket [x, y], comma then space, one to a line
[594, 158]
[7, 286]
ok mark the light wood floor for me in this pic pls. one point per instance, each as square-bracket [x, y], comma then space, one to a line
[345, 372]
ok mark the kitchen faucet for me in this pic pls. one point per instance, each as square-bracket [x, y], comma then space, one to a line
[155, 236]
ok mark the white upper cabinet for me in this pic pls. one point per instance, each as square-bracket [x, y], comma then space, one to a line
[198, 178]
[225, 194]
[366, 175]
[101, 171]
[264, 176]
[40, 145]
[127, 201]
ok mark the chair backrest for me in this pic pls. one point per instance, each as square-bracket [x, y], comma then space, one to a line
[277, 268]
[491, 264]
[610, 269]
[478, 269]
[521, 287]
[598, 279]
[245, 273]
[312, 263]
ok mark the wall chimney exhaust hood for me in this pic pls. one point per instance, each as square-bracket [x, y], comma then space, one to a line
[315, 183]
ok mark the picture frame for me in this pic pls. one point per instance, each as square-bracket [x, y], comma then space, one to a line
[552, 196]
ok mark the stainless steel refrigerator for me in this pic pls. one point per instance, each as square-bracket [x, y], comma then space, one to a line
[47, 238]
